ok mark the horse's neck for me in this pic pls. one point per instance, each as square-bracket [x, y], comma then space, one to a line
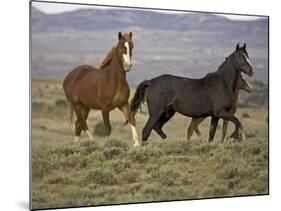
[115, 69]
[230, 75]
[235, 101]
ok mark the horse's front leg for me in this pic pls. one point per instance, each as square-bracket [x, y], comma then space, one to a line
[213, 128]
[105, 116]
[125, 109]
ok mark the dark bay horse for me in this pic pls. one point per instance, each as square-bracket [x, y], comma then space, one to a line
[104, 89]
[242, 84]
[212, 95]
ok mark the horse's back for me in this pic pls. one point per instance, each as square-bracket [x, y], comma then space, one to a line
[74, 76]
[186, 95]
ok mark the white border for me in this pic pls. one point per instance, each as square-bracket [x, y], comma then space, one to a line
[14, 106]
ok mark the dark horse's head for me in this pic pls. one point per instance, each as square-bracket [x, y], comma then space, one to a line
[124, 49]
[242, 62]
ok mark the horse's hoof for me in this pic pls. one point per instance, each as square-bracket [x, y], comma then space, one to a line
[243, 136]
[231, 139]
[137, 144]
[76, 139]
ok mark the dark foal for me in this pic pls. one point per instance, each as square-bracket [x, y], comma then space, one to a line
[103, 89]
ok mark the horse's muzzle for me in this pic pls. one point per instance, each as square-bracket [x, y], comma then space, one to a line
[127, 67]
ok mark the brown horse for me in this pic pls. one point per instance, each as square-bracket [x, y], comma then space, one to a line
[243, 84]
[103, 89]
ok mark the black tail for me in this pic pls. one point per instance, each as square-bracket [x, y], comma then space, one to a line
[139, 96]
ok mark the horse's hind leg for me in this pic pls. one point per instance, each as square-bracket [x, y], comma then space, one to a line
[194, 127]
[224, 130]
[164, 118]
[78, 122]
[85, 112]
[153, 118]
[125, 109]
[213, 128]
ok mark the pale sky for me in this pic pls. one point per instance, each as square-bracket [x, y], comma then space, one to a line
[52, 8]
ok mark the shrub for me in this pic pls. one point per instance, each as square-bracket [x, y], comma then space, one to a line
[185, 180]
[142, 155]
[40, 168]
[99, 130]
[99, 176]
[113, 152]
[246, 115]
[138, 155]
[42, 195]
[59, 179]
[168, 178]
[61, 103]
[220, 190]
[130, 176]
[228, 172]
[96, 156]
[88, 147]
[120, 166]
[175, 147]
[74, 161]
[151, 190]
[116, 143]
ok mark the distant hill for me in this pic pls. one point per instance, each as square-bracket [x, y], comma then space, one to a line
[103, 19]
[189, 44]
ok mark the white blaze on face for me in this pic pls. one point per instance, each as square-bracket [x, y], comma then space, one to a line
[247, 59]
[126, 57]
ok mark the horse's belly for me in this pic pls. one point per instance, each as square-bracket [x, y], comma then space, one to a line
[192, 108]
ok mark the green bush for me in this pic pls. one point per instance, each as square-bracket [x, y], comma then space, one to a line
[246, 115]
[168, 178]
[40, 168]
[113, 153]
[99, 130]
[116, 143]
[120, 166]
[99, 176]
[61, 103]
[42, 195]
[130, 176]
[60, 179]
[145, 154]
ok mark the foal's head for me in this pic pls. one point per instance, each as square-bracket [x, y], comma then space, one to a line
[244, 84]
[242, 62]
[124, 49]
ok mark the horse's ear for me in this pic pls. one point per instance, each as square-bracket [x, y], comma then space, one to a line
[244, 46]
[237, 47]
[120, 35]
[131, 35]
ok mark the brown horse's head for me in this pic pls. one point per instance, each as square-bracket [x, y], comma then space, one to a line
[124, 49]
[242, 60]
[244, 84]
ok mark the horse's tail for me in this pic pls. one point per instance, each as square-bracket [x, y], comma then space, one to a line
[70, 111]
[139, 97]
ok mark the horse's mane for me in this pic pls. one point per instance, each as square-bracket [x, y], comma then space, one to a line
[108, 57]
[218, 71]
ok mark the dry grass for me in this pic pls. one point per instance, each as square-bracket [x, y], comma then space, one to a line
[112, 171]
